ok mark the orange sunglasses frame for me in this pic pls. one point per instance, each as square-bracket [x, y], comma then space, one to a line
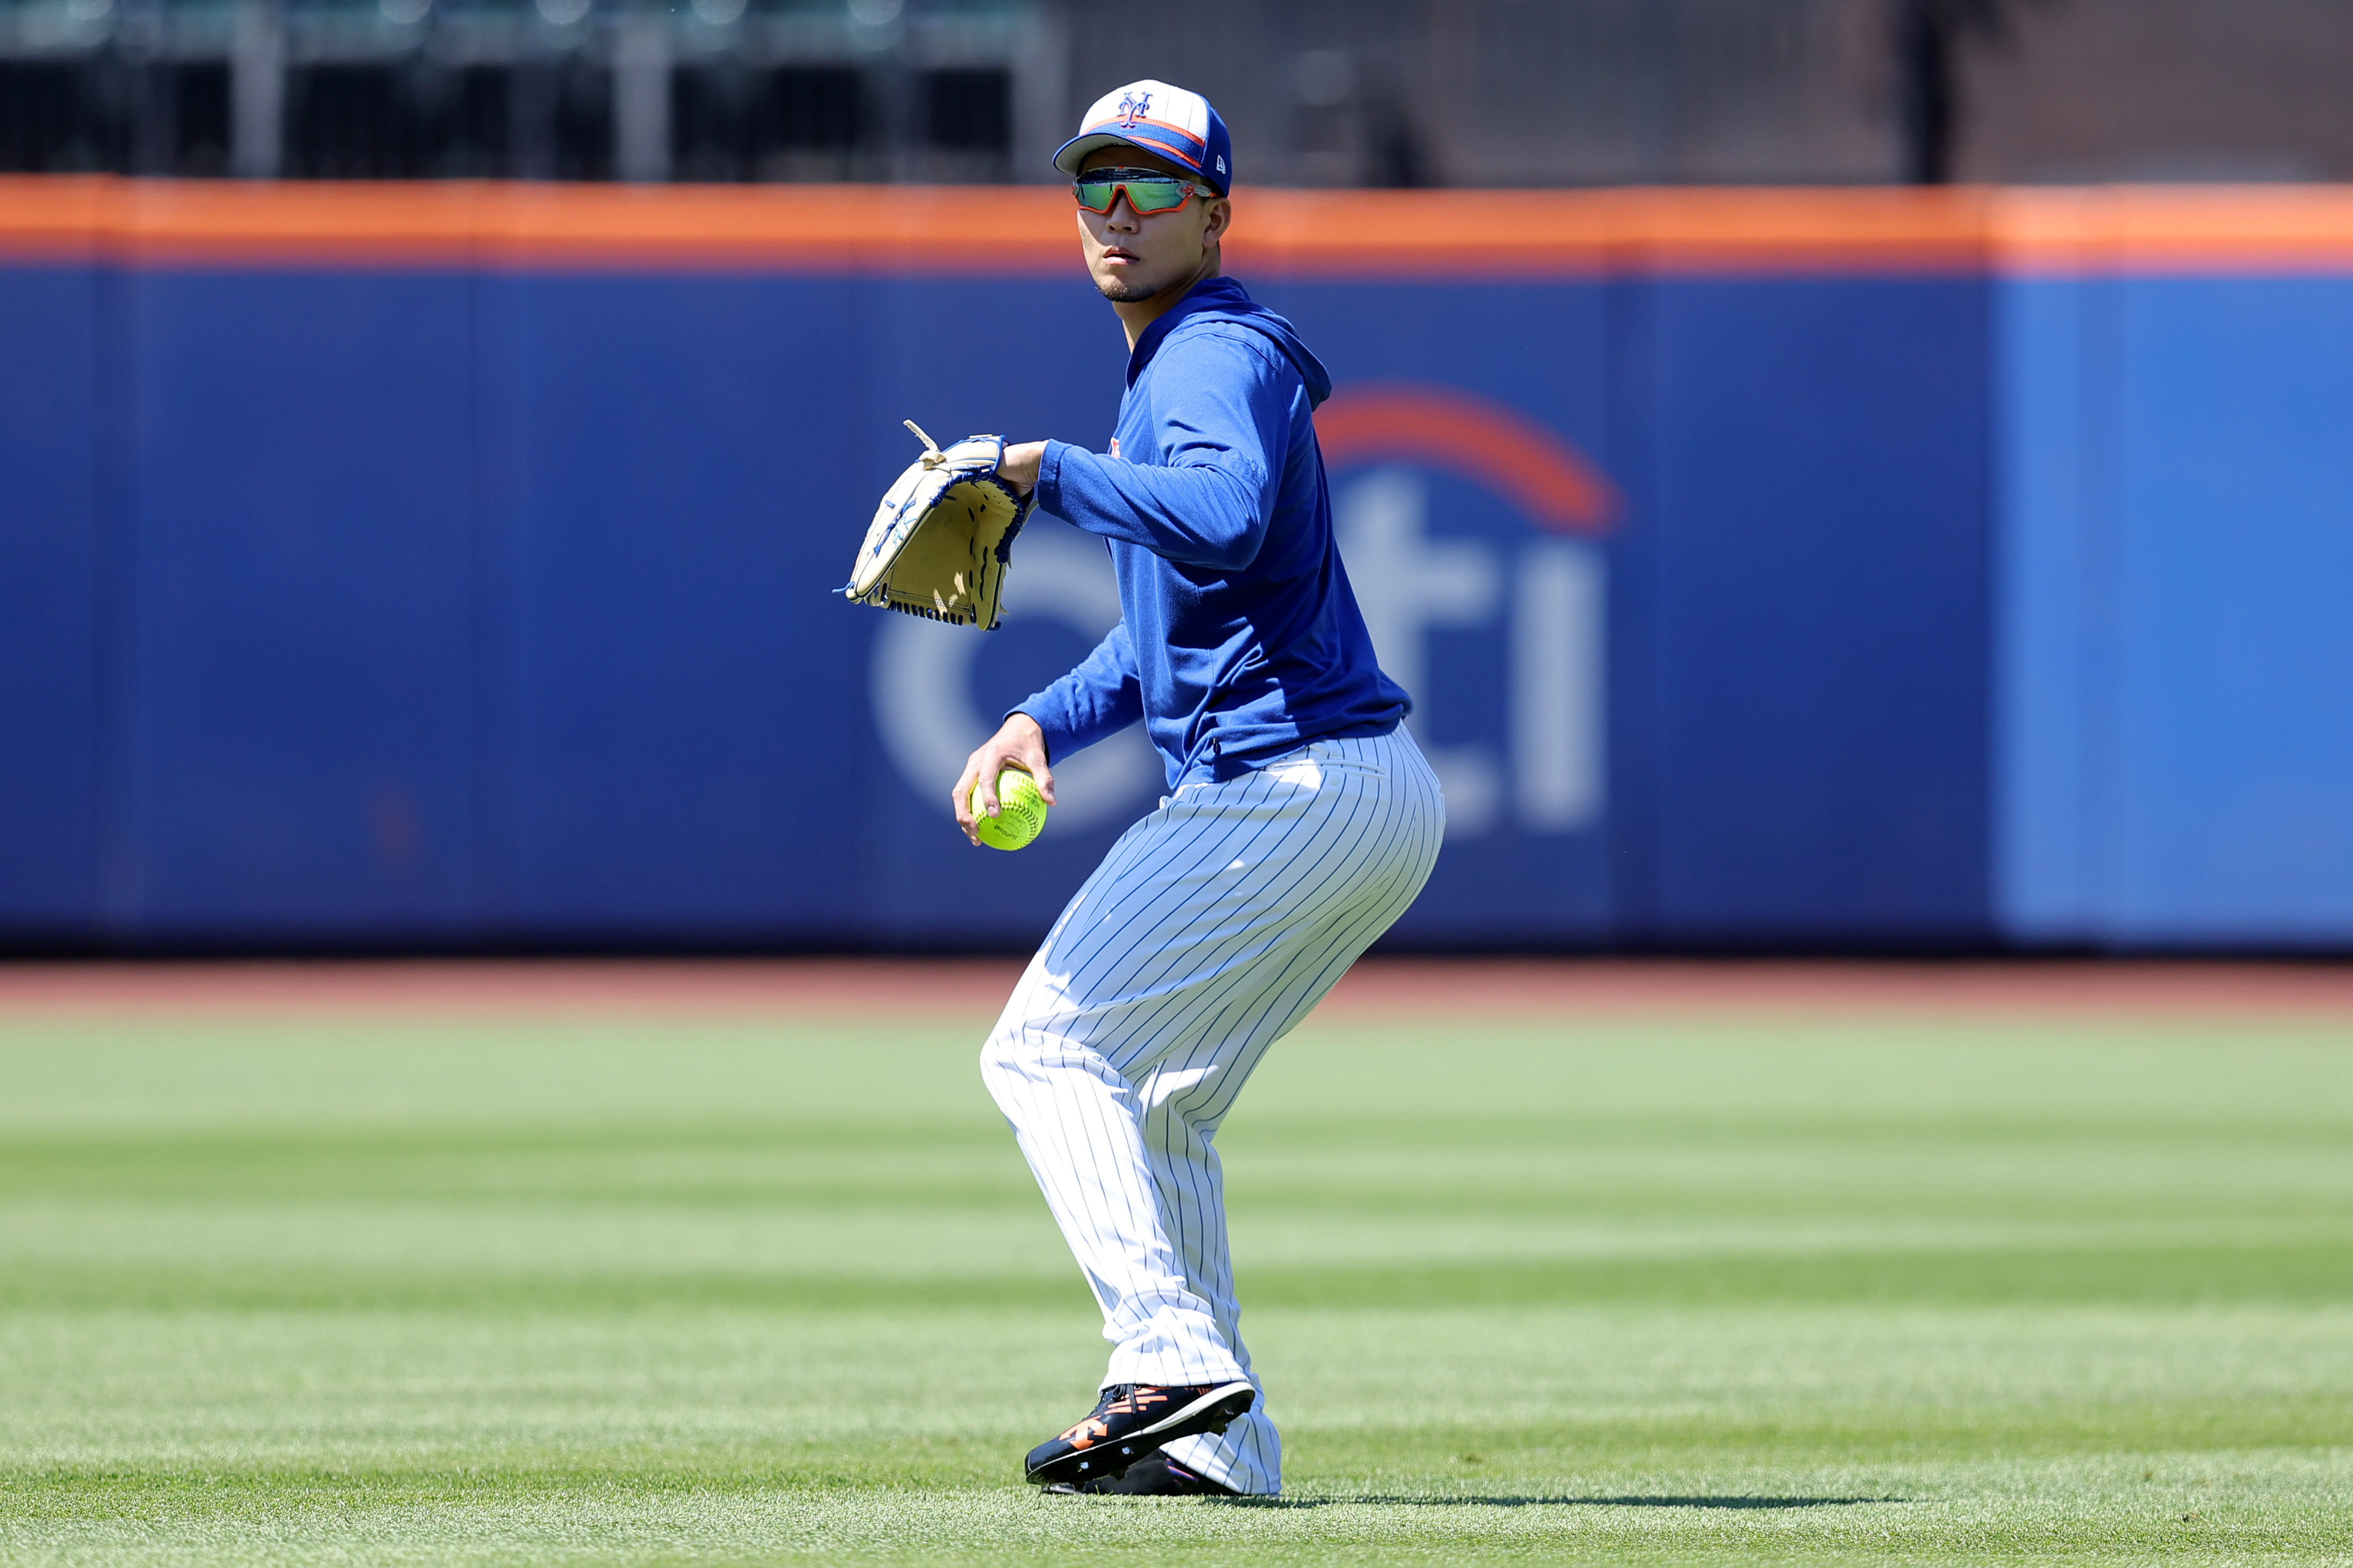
[1119, 188]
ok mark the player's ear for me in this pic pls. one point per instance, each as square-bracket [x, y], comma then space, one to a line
[1216, 217]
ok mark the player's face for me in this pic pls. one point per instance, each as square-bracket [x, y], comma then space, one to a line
[1132, 257]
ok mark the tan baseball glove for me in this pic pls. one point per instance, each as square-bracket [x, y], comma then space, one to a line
[941, 541]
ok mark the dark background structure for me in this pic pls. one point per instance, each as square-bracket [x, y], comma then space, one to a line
[1319, 92]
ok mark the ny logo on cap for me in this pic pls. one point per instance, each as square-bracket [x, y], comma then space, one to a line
[1134, 106]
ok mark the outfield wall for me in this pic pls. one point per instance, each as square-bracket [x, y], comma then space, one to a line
[444, 564]
[2173, 520]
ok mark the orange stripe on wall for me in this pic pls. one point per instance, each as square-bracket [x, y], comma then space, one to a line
[1534, 233]
[2230, 229]
[1029, 230]
[956, 230]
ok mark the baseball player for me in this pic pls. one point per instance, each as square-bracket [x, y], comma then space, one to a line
[1299, 823]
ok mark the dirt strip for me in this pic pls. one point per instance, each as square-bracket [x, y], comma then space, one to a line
[533, 985]
[1422, 986]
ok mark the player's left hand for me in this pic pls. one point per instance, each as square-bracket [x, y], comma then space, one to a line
[1017, 744]
[1018, 467]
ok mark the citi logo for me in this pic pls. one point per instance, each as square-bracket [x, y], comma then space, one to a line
[1521, 591]
[1471, 535]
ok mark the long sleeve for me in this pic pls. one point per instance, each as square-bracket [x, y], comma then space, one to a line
[1239, 640]
[1205, 498]
[1098, 698]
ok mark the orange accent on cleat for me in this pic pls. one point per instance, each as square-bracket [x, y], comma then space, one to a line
[1084, 1434]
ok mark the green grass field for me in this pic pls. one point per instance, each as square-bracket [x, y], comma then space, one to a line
[1642, 1287]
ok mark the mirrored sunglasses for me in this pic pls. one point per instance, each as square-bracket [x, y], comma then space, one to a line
[1146, 189]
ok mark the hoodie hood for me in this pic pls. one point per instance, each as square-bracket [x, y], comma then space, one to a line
[1225, 301]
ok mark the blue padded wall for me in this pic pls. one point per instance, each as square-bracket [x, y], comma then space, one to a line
[51, 801]
[1814, 463]
[2176, 527]
[673, 450]
[298, 624]
[450, 606]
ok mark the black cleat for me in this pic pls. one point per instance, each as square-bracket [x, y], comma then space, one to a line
[1131, 1420]
[1155, 1475]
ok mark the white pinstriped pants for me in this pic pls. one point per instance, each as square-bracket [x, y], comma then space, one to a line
[1210, 929]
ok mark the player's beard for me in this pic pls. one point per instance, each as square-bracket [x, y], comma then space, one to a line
[1131, 290]
[1125, 290]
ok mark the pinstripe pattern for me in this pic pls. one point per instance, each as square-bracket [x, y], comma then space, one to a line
[1210, 929]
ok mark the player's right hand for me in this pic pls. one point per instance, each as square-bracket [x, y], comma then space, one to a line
[1017, 744]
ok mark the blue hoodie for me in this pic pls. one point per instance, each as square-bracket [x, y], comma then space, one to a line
[1240, 639]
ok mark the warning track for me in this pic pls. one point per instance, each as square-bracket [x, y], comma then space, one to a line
[979, 985]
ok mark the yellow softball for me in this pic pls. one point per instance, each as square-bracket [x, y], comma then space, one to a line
[1020, 811]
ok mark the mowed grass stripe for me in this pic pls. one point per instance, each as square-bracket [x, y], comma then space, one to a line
[2188, 1276]
[1896, 1289]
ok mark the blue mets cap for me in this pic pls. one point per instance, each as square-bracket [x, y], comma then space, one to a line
[1178, 125]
